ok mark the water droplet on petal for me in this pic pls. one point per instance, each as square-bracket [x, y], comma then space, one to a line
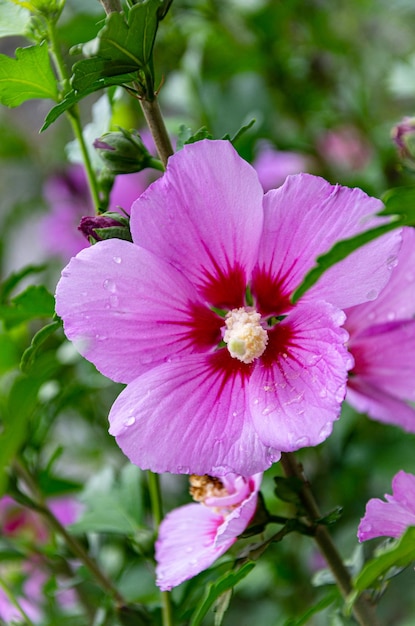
[109, 285]
[325, 431]
[323, 393]
[391, 316]
[268, 409]
[114, 301]
[302, 442]
[183, 469]
[129, 421]
[391, 262]
[188, 549]
[193, 561]
[372, 294]
[116, 259]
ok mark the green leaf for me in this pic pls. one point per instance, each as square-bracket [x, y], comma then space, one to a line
[7, 286]
[216, 589]
[124, 45]
[288, 489]
[322, 604]
[33, 303]
[27, 76]
[8, 354]
[29, 355]
[19, 407]
[337, 253]
[400, 554]
[14, 20]
[73, 97]
[399, 203]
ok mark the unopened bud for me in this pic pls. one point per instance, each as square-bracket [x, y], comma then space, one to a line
[403, 134]
[123, 152]
[105, 226]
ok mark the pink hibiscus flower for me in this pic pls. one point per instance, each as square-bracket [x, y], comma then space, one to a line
[382, 342]
[193, 536]
[273, 166]
[68, 197]
[223, 372]
[390, 518]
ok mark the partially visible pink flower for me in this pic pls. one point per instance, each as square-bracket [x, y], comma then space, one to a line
[222, 370]
[273, 166]
[22, 523]
[68, 197]
[193, 536]
[390, 518]
[345, 148]
[382, 342]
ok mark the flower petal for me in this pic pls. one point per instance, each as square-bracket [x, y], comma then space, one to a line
[237, 521]
[303, 219]
[126, 309]
[205, 217]
[297, 387]
[379, 405]
[189, 416]
[397, 300]
[186, 544]
[385, 358]
[391, 518]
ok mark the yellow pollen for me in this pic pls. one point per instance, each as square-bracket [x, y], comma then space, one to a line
[244, 335]
[202, 487]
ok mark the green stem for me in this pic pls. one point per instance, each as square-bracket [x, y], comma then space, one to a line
[363, 610]
[73, 544]
[157, 128]
[157, 509]
[73, 114]
[16, 603]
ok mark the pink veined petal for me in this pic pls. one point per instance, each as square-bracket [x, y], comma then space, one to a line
[236, 522]
[204, 216]
[189, 416]
[380, 405]
[385, 358]
[186, 544]
[390, 518]
[297, 388]
[304, 218]
[403, 490]
[397, 300]
[125, 309]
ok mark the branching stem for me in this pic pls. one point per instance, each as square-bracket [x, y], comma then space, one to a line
[363, 610]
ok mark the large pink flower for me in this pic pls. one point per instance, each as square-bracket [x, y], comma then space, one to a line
[390, 518]
[193, 536]
[223, 371]
[382, 342]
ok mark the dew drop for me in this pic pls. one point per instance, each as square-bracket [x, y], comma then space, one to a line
[109, 285]
[391, 316]
[268, 409]
[114, 301]
[235, 413]
[372, 294]
[302, 442]
[256, 401]
[193, 562]
[323, 393]
[116, 259]
[188, 549]
[325, 431]
[101, 337]
[392, 262]
[129, 421]
[273, 456]
[183, 469]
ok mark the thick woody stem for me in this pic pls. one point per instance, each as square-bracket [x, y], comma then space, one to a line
[363, 610]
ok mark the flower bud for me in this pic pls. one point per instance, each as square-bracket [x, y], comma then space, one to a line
[105, 226]
[123, 152]
[403, 134]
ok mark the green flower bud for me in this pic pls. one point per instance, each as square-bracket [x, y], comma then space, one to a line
[123, 152]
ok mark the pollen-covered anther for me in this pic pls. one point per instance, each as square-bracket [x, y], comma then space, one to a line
[202, 487]
[245, 338]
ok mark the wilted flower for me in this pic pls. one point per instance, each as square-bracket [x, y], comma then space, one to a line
[390, 518]
[382, 342]
[193, 536]
[223, 371]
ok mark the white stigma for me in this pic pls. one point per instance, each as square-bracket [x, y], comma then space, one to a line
[244, 335]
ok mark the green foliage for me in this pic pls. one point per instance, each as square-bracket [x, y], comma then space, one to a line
[14, 19]
[400, 553]
[32, 303]
[216, 590]
[27, 76]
